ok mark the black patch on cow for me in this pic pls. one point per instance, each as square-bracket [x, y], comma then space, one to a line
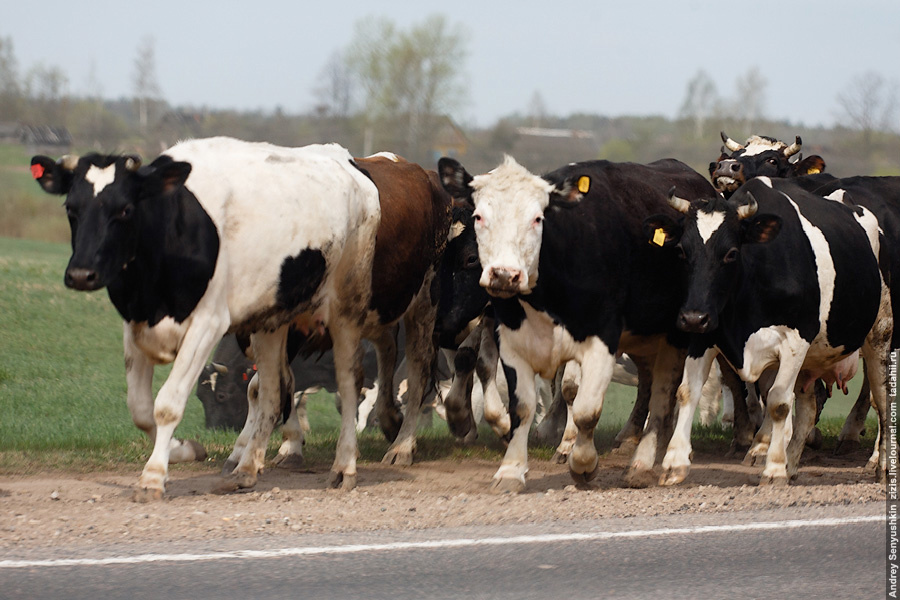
[514, 419]
[301, 276]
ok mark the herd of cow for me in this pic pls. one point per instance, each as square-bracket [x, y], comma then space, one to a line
[780, 273]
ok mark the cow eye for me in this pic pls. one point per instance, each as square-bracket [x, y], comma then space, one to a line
[730, 256]
[772, 161]
[477, 217]
[538, 220]
[471, 260]
[126, 212]
[679, 251]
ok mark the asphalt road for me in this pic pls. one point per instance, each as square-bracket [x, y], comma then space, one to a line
[828, 553]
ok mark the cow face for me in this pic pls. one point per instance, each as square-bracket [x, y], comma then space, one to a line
[462, 298]
[759, 156]
[709, 239]
[509, 204]
[104, 203]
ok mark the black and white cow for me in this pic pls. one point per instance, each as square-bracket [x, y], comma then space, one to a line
[221, 235]
[572, 278]
[778, 278]
[766, 156]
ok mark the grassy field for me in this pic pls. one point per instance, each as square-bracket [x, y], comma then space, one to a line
[62, 386]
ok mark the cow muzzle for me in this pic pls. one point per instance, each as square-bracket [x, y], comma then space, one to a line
[85, 280]
[503, 282]
[694, 321]
[728, 176]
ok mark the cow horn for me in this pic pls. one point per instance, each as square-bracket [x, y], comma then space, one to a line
[220, 368]
[679, 204]
[132, 163]
[793, 148]
[69, 162]
[747, 210]
[730, 143]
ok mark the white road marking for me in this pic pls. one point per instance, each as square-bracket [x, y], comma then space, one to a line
[436, 544]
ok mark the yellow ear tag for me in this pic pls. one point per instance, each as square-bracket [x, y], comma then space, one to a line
[813, 171]
[584, 184]
[659, 237]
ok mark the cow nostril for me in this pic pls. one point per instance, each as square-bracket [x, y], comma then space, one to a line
[515, 278]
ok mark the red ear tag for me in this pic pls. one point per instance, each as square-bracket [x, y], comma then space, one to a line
[37, 170]
[245, 377]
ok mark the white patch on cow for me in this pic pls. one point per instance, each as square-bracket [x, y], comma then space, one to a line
[100, 178]
[824, 267]
[508, 201]
[388, 155]
[708, 223]
[766, 181]
[837, 196]
[757, 145]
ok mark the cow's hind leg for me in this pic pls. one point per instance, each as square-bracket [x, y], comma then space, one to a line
[629, 436]
[458, 401]
[387, 410]
[495, 412]
[855, 424]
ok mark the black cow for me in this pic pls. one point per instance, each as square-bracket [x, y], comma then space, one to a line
[572, 278]
[778, 278]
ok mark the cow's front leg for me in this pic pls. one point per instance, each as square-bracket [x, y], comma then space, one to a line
[458, 401]
[346, 340]
[201, 336]
[290, 453]
[668, 369]
[569, 384]
[510, 477]
[677, 461]
[597, 365]
[495, 412]
[629, 436]
[779, 403]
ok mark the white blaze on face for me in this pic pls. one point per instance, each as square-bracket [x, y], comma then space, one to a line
[100, 178]
[708, 223]
[509, 207]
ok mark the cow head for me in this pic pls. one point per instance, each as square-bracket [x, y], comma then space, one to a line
[760, 155]
[708, 239]
[463, 300]
[105, 198]
[509, 204]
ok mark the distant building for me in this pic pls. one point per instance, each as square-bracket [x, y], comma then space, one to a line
[449, 140]
[37, 138]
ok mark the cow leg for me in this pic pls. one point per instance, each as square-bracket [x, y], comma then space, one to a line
[727, 407]
[597, 365]
[804, 421]
[710, 402]
[199, 340]
[495, 413]
[676, 463]
[243, 439]
[629, 436]
[743, 427]
[550, 430]
[779, 403]
[855, 424]
[876, 352]
[570, 383]
[386, 409]
[275, 390]
[759, 449]
[421, 362]
[290, 453]
[458, 400]
[510, 477]
[346, 341]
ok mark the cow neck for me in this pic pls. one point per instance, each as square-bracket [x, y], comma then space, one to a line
[174, 260]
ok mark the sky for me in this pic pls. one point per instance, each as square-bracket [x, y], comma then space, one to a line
[626, 57]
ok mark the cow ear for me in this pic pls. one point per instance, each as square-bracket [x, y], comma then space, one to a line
[455, 180]
[662, 230]
[809, 165]
[570, 191]
[164, 177]
[54, 177]
[760, 229]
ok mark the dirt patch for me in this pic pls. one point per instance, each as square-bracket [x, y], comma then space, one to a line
[89, 510]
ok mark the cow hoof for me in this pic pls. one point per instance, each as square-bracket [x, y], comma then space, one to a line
[229, 467]
[674, 476]
[399, 458]
[582, 481]
[816, 442]
[755, 457]
[773, 480]
[640, 477]
[461, 427]
[145, 495]
[289, 461]
[234, 482]
[560, 458]
[737, 450]
[845, 447]
[199, 451]
[625, 448]
[507, 485]
[390, 425]
[340, 480]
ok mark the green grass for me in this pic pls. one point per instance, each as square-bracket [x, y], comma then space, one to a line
[62, 387]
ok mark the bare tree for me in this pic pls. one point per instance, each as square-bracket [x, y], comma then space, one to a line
[146, 85]
[537, 109]
[10, 89]
[751, 98]
[869, 104]
[699, 101]
[47, 91]
[335, 93]
[408, 78]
